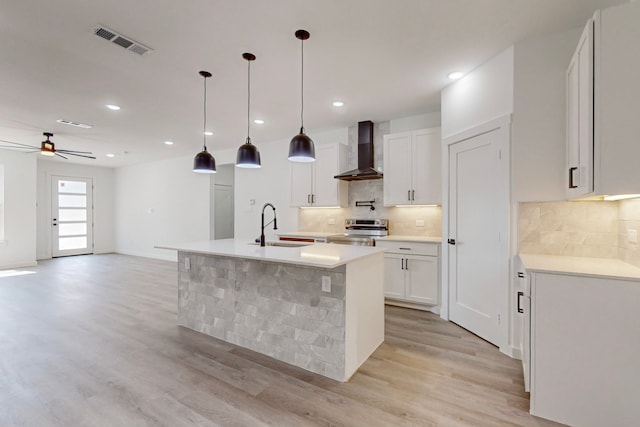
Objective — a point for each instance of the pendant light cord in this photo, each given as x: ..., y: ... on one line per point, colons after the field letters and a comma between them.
x: 204, y: 135
x: 248, y: 100
x: 302, y: 87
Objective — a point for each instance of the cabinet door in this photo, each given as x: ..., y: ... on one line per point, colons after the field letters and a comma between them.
x: 397, y: 169
x: 325, y: 188
x: 301, y: 178
x: 422, y: 279
x: 426, y: 160
x: 394, y: 276
x: 580, y: 117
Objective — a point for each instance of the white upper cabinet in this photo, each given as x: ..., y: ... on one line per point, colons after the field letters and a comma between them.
x: 580, y: 117
x: 412, y: 171
x: 313, y: 184
x: 603, y: 100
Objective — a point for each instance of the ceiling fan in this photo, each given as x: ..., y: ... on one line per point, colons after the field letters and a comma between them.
x: 47, y: 148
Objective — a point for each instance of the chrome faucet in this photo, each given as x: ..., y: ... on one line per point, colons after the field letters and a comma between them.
x: 263, y: 225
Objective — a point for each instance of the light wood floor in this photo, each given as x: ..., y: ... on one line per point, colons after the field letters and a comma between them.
x: 92, y: 341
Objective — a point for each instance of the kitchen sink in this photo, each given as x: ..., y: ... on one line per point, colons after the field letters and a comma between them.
x: 284, y: 244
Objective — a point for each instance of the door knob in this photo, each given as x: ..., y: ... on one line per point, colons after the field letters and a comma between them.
x: 451, y: 241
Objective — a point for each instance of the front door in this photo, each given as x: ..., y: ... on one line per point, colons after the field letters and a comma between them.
x: 478, y: 238
x: 71, y: 216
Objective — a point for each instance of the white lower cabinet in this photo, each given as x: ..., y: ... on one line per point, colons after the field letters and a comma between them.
x: 411, y: 272
x: 585, y: 349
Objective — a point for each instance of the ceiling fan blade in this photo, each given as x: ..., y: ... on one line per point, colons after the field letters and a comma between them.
x: 80, y: 155
x: 74, y: 151
x: 60, y: 155
x: 18, y: 144
x: 25, y: 149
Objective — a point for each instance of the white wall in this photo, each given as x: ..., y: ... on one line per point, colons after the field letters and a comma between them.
x: 420, y: 121
x: 159, y: 203
x: 103, y: 200
x: 484, y: 94
x: 271, y: 183
x: 538, y: 155
x: 19, y: 247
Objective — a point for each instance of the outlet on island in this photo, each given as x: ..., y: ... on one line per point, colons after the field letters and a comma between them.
x: 326, y: 283
x: 419, y: 222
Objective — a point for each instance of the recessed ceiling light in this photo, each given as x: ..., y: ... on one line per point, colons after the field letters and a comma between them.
x: 168, y: 142
x: 338, y: 103
x: 258, y: 121
x: 111, y: 155
x: 208, y: 133
x: 113, y: 107
x: 455, y: 75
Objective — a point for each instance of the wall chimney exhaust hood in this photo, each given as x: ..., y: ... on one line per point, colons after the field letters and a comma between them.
x: 365, y: 156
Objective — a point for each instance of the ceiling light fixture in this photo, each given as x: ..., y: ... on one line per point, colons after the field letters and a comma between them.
x: 111, y: 155
x: 248, y: 155
x: 338, y: 103
x: 301, y: 147
x: 208, y: 133
x: 168, y: 142
x: 455, y: 75
x: 113, y: 107
x: 204, y: 161
x: 258, y: 121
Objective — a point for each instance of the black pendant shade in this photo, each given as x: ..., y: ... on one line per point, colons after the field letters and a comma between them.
x: 248, y: 155
x: 204, y: 161
x: 301, y: 147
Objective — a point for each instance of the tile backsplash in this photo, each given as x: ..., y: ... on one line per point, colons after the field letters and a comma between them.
x: 596, y: 229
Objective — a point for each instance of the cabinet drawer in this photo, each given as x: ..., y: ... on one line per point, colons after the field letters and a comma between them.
x: 410, y: 248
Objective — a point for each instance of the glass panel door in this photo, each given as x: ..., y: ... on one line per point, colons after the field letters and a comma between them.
x: 71, y: 216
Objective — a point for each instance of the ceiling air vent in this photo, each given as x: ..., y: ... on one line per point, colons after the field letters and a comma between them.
x: 121, y: 40
x: 76, y: 124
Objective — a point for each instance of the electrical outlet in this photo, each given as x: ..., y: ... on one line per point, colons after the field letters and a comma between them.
x: 332, y: 221
x: 326, y: 283
x: 419, y: 222
x: 187, y: 264
x: 632, y: 236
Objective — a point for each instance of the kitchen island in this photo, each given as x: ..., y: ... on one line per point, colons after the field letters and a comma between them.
x: 319, y: 307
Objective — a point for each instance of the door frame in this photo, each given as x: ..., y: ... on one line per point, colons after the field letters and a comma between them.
x: 501, y: 124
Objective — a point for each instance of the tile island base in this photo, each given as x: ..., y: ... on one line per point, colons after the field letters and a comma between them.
x: 280, y: 309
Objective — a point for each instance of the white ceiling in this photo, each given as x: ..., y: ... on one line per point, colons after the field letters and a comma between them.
x: 384, y: 58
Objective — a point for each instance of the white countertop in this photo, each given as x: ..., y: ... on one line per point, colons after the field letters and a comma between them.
x: 417, y: 239
x: 313, y: 255
x: 598, y: 267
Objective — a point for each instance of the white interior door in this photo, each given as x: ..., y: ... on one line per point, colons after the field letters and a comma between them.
x: 71, y: 216
x: 478, y: 222
x: 223, y: 212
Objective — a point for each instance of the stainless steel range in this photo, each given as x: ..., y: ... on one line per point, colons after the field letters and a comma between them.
x: 361, y: 232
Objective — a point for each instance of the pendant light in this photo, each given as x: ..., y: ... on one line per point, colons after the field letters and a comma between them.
x: 204, y: 161
x: 248, y: 155
x: 301, y: 147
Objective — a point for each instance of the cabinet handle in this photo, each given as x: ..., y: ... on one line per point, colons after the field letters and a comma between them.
x: 413, y: 194
x: 313, y: 198
x: 520, y: 295
x: 404, y: 249
x: 406, y: 263
x: 521, y: 274
x: 571, y: 184
x: 451, y: 241
x: 409, y: 195
x: 401, y: 263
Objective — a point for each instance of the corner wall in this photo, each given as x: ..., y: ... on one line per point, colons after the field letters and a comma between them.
x: 19, y: 246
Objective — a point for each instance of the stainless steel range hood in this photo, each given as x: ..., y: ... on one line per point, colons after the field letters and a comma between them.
x: 365, y: 156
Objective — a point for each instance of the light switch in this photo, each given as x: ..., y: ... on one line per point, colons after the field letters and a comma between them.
x: 632, y: 236
x: 419, y: 222
x: 332, y: 221
x: 187, y: 264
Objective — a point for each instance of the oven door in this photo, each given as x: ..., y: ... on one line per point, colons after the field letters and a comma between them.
x: 343, y: 239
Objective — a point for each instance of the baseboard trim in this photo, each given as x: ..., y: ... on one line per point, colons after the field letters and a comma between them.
x: 25, y: 264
